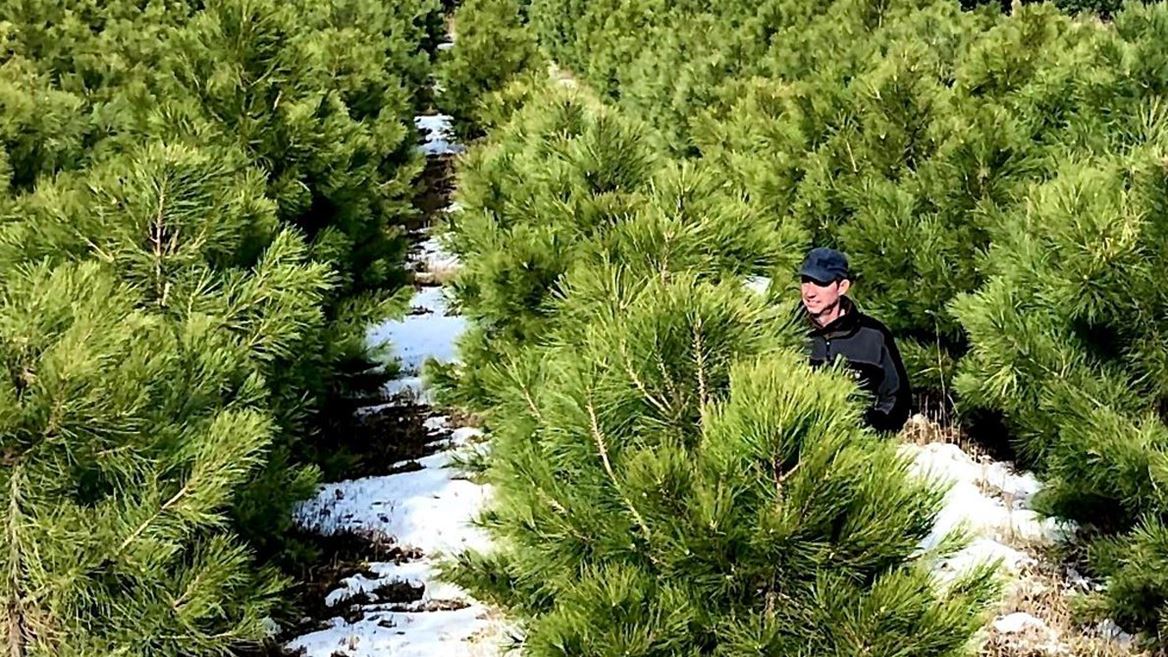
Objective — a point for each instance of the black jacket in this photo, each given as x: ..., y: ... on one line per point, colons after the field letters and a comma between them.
x: 867, y: 348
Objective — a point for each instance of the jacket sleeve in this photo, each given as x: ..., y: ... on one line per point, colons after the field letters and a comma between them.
x: 893, y: 396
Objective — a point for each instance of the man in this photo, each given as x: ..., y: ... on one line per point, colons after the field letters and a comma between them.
x: 838, y: 330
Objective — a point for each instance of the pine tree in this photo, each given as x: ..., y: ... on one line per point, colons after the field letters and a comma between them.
x: 492, y: 47
x: 1067, y: 343
x: 193, y: 231
x: 124, y: 437
x: 199, y: 203
x: 555, y: 187
x: 671, y: 478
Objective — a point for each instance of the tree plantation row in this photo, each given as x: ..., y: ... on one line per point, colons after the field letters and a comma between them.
x: 201, y: 207
x: 670, y: 476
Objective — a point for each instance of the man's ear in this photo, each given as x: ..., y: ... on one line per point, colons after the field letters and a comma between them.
x: 844, y: 286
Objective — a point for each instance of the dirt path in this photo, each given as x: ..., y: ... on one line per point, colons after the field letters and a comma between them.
x: 384, y: 597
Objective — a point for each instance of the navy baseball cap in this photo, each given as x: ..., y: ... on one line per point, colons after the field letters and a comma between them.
x: 825, y: 265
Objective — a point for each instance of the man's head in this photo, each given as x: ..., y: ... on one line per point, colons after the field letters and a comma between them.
x: 825, y: 278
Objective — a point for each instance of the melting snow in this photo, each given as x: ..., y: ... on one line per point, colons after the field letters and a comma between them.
x: 427, y: 634
x: 431, y: 333
x: 430, y: 509
x: 1017, y: 622
x: 439, y: 135
x: 989, y: 500
x: 434, y: 256
x: 416, y: 574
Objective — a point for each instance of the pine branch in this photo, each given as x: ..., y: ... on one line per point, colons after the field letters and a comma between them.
x: 700, y: 358
x: 17, y: 632
x: 156, y: 239
x: 175, y: 499
x: 650, y: 397
x: 602, y: 448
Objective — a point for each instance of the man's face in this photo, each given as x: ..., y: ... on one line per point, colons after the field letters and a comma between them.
x: 822, y: 297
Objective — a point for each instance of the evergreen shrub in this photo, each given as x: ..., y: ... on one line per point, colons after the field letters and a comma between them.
x: 492, y: 47
x: 1068, y: 344
x: 200, y: 212
x: 670, y: 476
x: 900, y: 132
x: 556, y: 186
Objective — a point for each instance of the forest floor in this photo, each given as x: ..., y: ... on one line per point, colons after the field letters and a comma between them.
x: 386, y: 531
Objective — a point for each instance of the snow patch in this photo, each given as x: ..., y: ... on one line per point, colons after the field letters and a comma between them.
x: 1018, y: 622
x: 990, y: 501
x: 758, y: 284
x: 417, y: 338
x: 425, y: 634
x: 433, y: 255
x: 980, y: 551
x: 1112, y: 632
x: 430, y: 509
x: 416, y: 574
x: 439, y: 135
x: 436, y: 424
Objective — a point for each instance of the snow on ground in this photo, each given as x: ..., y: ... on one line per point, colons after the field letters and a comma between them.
x: 992, y: 502
x: 422, y: 634
x: 989, y: 498
x: 428, y: 509
x: 434, y: 257
x: 989, y: 501
x: 439, y: 135
x: 414, y: 574
x: 429, y: 331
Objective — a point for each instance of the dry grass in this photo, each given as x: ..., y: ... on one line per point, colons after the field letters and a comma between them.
x: 1045, y: 592
x: 939, y: 427
x: 436, y: 276
x: 1043, y: 589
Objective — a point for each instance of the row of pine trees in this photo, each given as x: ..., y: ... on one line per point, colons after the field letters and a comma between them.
x: 671, y: 478
x: 201, y: 206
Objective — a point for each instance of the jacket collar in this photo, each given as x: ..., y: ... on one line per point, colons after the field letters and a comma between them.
x: 846, y: 323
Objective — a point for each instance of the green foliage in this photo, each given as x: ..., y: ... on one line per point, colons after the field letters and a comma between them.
x: 318, y: 95
x: 200, y: 208
x: 1068, y: 343
x: 670, y: 477
x: 902, y: 143
x: 994, y: 176
x: 491, y: 48
x: 557, y: 187
x: 125, y: 435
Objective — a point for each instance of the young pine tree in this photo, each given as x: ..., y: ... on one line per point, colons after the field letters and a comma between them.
x: 192, y: 232
x: 557, y: 187
x: 1068, y: 344
x: 492, y: 47
x: 124, y: 437
x: 672, y: 479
